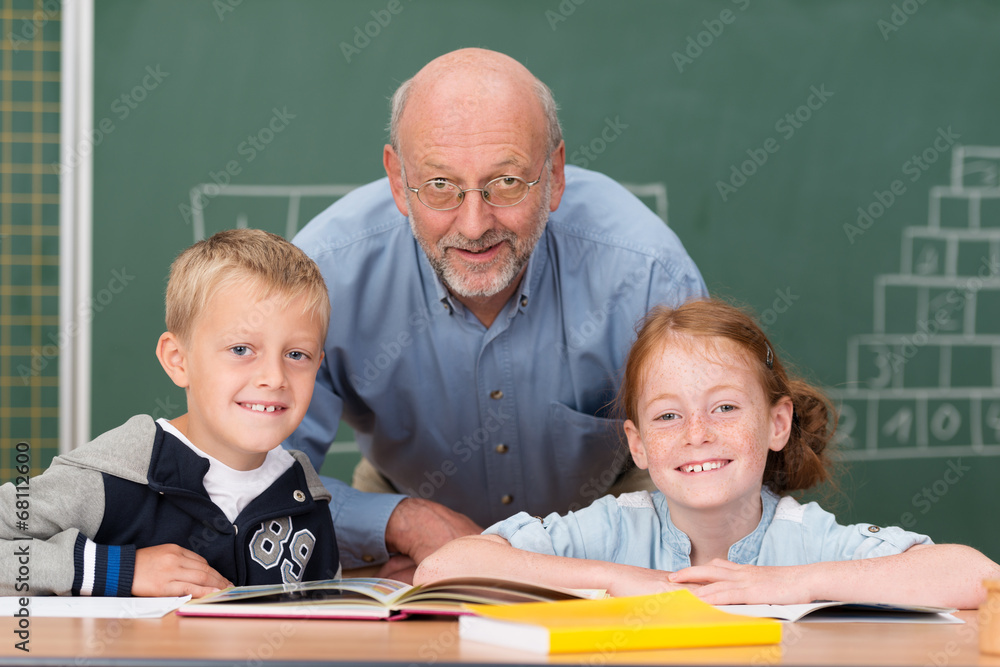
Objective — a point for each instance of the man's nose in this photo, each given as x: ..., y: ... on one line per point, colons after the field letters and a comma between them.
x: 474, y: 217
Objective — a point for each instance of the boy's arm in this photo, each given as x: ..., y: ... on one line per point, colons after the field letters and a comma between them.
x: 46, y: 525
x: 46, y: 528
x: 493, y: 556
x: 947, y: 575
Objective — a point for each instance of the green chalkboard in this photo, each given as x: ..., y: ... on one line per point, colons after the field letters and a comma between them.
x: 832, y: 165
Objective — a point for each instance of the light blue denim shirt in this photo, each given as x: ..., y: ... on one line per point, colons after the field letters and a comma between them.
x: 485, y: 421
x: 635, y: 529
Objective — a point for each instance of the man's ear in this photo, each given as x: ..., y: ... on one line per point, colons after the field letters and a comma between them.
x: 635, y: 445
x: 781, y: 423
x: 558, y: 175
x: 173, y: 358
x: 393, y: 169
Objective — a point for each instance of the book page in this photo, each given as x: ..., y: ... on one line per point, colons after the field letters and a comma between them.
x: 845, y: 612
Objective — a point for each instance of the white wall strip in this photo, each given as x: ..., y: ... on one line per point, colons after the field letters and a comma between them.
x: 75, y: 220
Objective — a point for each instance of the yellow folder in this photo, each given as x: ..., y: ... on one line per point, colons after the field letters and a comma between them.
x: 676, y: 619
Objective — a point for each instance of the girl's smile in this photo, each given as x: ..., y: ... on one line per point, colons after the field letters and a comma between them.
x: 705, y: 428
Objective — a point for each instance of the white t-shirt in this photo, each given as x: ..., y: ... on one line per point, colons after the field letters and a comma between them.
x: 230, y: 489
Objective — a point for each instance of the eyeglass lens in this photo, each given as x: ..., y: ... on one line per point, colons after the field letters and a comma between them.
x: 503, y: 191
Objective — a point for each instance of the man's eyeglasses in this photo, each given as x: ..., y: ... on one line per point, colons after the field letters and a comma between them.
x: 443, y: 195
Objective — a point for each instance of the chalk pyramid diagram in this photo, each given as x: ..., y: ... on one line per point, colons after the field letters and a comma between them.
x: 926, y: 381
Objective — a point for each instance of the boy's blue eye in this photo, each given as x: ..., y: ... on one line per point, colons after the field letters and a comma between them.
x: 296, y: 355
x: 240, y: 350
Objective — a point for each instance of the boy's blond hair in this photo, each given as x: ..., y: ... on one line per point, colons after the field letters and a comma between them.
x: 268, y: 263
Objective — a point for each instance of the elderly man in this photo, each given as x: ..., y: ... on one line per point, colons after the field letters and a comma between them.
x: 484, y: 297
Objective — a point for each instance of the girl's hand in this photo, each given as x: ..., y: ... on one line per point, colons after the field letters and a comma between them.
x: 725, y: 582
x: 641, y: 581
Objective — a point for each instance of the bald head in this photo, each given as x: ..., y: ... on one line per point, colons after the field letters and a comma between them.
x: 460, y: 87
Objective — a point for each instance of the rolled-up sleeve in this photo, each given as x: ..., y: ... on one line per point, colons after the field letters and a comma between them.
x: 804, y: 534
x: 593, y: 532
x: 864, y: 540
x: 525, y: 532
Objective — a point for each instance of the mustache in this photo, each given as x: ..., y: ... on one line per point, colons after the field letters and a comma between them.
x: 489, y: 239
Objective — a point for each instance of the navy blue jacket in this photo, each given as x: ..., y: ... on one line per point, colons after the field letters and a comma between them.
x: 138, y: 486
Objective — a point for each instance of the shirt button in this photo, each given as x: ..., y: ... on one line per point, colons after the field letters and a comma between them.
x: 299, y: 496
x: 873, y: 529
x: 502, y: 449
x: 368, y: 558
x: 524, y: 301
x: 496, y: 394
x: 507, y: 500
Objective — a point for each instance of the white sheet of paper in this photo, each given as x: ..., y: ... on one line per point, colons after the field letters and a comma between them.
x: 87, y: 607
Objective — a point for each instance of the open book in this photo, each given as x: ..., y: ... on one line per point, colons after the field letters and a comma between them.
x: 827, y: 612
x: 373, y: 598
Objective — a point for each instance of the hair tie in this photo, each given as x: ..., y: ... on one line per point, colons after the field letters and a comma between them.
x: 770, y: 356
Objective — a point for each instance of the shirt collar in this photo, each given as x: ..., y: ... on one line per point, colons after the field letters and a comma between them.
x: 533, y: 274
x: 435, y: 292
x: 745, y: 551
x: 672, y: 538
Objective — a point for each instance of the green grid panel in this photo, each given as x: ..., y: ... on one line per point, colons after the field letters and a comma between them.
x: 29, y: 231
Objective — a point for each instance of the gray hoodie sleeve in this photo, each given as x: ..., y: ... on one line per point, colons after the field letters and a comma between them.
x: 37, y: 554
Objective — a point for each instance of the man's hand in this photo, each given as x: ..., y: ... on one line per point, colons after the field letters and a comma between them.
x: 725, y: 582
x: 400, y: 568
x: 417, y: 528
x: 168, y: 570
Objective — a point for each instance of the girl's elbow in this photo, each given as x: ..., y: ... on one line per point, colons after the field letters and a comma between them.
x: 427, y: 570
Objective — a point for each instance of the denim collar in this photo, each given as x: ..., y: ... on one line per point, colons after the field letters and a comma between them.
x: 744, y: 551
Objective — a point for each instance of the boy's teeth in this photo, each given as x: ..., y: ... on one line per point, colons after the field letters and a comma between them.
x: 257, y: 407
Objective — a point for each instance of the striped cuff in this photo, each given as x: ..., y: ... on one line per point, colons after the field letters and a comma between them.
x: 102, y: 570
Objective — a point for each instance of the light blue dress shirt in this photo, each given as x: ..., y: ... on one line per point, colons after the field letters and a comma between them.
x: 635, y: 529
x: 487, y: 421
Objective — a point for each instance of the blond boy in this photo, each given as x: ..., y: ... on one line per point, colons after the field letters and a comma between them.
x: 209, y: 498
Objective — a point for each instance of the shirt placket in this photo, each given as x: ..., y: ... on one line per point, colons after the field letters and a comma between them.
x: 498, y: 433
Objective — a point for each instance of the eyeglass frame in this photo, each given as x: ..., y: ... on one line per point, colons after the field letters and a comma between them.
x: 481, y: 191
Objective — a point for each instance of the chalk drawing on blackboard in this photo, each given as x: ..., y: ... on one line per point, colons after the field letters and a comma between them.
x: 275, y: 208
x: 283, y: 209
x: 926, y: 381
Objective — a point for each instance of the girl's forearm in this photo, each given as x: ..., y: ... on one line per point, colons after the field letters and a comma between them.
x: 491, y: 556
x: 948, y: 575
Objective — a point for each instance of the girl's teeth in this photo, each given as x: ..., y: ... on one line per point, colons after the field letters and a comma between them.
x: 702, y: 467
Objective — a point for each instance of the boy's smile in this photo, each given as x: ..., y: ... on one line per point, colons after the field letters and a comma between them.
x: 248, y: 371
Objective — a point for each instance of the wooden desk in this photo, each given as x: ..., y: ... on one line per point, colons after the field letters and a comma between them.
x: 414, y: 643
